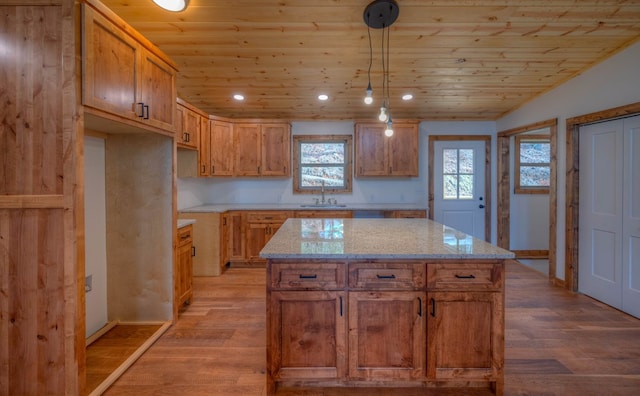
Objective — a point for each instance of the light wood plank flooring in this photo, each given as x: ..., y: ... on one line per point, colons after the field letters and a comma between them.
x: 557, y: 344
x: 108, y: 352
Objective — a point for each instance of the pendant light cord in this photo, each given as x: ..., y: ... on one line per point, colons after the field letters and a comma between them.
x: 384, y: 73
x: 370, y: 53
x: 387, y: 72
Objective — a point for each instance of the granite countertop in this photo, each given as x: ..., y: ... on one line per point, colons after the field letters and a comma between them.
x: 376, y: 239
x: 299, y: 206
x: 185, y: 222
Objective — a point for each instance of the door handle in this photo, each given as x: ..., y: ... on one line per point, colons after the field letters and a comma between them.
x: 481, y: 206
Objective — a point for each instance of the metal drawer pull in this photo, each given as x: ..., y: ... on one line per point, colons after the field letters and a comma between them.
x: 433, y: 307
x: 341, y: 306
x: 420, y: 307
x: 314, y: 276
x: 392, y: 276
x: 466, y: 276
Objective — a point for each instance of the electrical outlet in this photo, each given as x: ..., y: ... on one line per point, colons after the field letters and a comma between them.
x: 88, y: 283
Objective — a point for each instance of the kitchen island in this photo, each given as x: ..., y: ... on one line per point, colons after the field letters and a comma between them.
x: 383, y: 303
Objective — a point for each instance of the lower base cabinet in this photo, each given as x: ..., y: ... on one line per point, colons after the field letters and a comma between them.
x: 184, y: 279
x: 312, y: 343
x: 386, y: 335
x: 372, y: 323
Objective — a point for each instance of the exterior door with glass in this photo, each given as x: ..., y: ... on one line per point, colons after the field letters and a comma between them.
x: 459, y: 185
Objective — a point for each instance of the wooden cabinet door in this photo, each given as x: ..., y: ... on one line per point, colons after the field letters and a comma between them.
x: 157, y: 91
x: 306, y: 335
x: 257, y: 236
x: 246, y: 149
x: 275, y: 150
x: 225, y: 247
x: 236, y: 237
x: 464, y: 335
x: 123, y: 78
x: 260, y: 227
x: 184, y: 288
x: 403, y: 150
x: 371, y: 150
x: 221, y: 148
x: 111, y: 60
x: 204, y: 148
x: 386, y: 335
x: 184, y: 273
x: 187, y: 127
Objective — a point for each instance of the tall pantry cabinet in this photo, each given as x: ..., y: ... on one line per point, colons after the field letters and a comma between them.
x: 41, y: 201
x: 42, y: 225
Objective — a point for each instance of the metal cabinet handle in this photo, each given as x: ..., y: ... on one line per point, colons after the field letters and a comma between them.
x: 193, y: 251
x: 466, y: 276
x: 141, y: 104
x: 314, y: 276
x: 433, y: 307
x: 419, y: 306
x: 340, y: 305
x: 392, y: 276
x: 146, y: 107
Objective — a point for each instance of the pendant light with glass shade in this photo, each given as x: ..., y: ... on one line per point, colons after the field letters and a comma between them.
x: 380, y: 14
x: 172, y: 5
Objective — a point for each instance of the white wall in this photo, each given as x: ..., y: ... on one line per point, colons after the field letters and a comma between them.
x: 95, y: 233
x: 612, y: 83
x: 529, y: 221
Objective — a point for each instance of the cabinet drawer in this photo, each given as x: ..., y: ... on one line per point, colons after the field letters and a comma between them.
x: 485, y: 276
x: 407, y: 276
x: 410, y: 214
x: 310, y: 276
x: 267, y: 217
x: 185, y: 234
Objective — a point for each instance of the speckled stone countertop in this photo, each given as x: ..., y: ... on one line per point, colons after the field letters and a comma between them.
x: 185, y: 222
x: 376, y: 239
x: 298, y: 206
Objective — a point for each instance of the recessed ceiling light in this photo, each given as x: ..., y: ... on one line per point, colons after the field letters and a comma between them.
x: 238, y: 97
x: 323, y: 97
x: 407, y: 97
x: 172, y: 5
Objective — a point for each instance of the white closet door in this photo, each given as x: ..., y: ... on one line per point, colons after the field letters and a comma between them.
x: 609, y: 253
x: 600, y: 222
x: 631, y: 218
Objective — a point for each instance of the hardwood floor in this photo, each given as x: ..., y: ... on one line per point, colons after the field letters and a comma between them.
x: 108, y: 352
x: 557, y: 344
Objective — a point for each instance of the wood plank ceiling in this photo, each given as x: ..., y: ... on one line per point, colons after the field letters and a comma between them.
x: 461, y: 59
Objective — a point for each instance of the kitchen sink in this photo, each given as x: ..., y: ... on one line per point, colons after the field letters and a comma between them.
x: 319, y: 205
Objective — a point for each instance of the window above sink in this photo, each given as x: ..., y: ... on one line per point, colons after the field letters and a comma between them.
x: 322, y: 165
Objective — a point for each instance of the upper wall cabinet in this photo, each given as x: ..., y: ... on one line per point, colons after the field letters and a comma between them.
x: 123, y: 77
x: 262, y: 149
x: 221, y: 148
x: 382, y: 156
x: 188, y: 125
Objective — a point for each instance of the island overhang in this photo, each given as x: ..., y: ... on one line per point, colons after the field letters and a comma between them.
x: 376, y: 239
